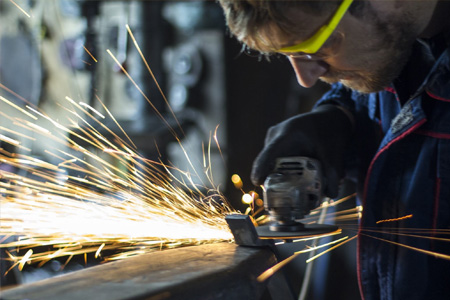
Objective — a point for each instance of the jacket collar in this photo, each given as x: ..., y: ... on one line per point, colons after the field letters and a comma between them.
x: 428, y: 70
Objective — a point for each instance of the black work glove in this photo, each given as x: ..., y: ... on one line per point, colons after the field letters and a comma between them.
x: 322, y: 134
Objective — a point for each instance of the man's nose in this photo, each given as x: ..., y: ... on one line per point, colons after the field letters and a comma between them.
x: 308, y: 71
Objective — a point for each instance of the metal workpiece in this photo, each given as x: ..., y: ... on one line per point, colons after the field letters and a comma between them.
x: 210, y: 271
x: 244, y: 231
x: 245, y: 234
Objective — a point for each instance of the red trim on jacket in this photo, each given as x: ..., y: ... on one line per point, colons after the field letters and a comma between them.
x: 437, y: 97
x: 390, y: 89
x: 437, y: 186
x: 438, y: 135
x: 401, y: 136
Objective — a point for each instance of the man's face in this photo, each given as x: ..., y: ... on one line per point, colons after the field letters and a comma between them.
x: 365, y: 54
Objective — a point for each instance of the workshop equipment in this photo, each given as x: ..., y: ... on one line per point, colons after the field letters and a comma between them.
x: 290, y: 192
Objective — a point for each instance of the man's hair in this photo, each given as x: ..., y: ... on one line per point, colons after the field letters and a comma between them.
x: 252, y: 20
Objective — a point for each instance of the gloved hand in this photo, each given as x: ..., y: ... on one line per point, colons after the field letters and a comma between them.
x: 322, y: 134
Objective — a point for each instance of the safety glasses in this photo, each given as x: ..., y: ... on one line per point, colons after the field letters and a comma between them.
x: 314, y: 43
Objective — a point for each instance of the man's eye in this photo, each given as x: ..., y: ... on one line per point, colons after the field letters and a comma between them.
x: 304, y: 56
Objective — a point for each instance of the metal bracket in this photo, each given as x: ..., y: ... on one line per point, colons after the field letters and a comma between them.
x: 245, y: 234
x: 244, y: 231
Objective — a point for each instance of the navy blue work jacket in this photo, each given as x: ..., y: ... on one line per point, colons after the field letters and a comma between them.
x: 400, y: 158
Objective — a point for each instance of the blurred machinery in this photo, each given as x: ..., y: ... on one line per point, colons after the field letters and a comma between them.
x: 213, y: 88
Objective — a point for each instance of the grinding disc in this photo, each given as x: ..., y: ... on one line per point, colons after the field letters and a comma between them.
x: 310, y: 230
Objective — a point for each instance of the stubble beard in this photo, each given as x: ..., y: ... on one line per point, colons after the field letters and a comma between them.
x: 377, y: 72
x: 377, y: 78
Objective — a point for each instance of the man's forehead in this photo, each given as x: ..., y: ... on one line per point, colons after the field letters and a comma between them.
x: 302, y: 25
x: 305, y: 22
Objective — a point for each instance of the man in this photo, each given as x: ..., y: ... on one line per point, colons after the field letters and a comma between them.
x: 385, y: 123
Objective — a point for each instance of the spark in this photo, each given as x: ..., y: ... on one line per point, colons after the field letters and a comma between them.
x: 253, y: 200
x: 237, y: 181
x: 13, y: 93
x: 141, y: 92
x: 247, y: 198
x: 138, y: 48
x: 208, y: 170
x: 17, y: 107
x: 92, y: 109
x: 432, y: 253
x: 420, y: 235
x: 130, y: 207
x: 36, y: 127
x: 315, y: 237
x: 217, y: 143
x: 25, y: 259
x: 395, y: 219
x: 346, y: 198
x: 342, y: 215
x: 90, y: 54
x: 316, y: 218
x: 16, y: 133
x: 331, y: 248
x: 262, y: 219
x: 269, y: 272
x: 9, y: 140
x: 97, y: 253
x: 20, y: 8
x: 115, y: 121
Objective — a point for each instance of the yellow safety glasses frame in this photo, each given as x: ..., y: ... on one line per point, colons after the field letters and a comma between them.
x: 314, y: 43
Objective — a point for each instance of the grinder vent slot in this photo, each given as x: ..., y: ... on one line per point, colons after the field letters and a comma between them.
x: 288, y: 166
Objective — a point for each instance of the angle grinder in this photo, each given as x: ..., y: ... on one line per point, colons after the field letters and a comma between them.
x: 291, y: 191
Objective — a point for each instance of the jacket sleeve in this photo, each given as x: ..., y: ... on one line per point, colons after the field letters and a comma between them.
x: 367, y: 131
x: 338, y: 95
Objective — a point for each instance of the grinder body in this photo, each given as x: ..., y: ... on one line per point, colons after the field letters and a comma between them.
x: 292, y: 191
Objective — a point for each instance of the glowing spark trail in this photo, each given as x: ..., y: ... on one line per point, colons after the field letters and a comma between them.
x: 268, y: 273
x: 435, y: 254
x: 395, y: 219
x: 90, y: 54
x: 20, y: 8
x: 17, y: 107
x: 422, y: 234
x: 128, y: 207
x: 24, y: 259
x: 332, y: 248
x: 138, y: 48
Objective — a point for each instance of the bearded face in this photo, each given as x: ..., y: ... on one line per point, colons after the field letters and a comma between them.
x: 370, y: 52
